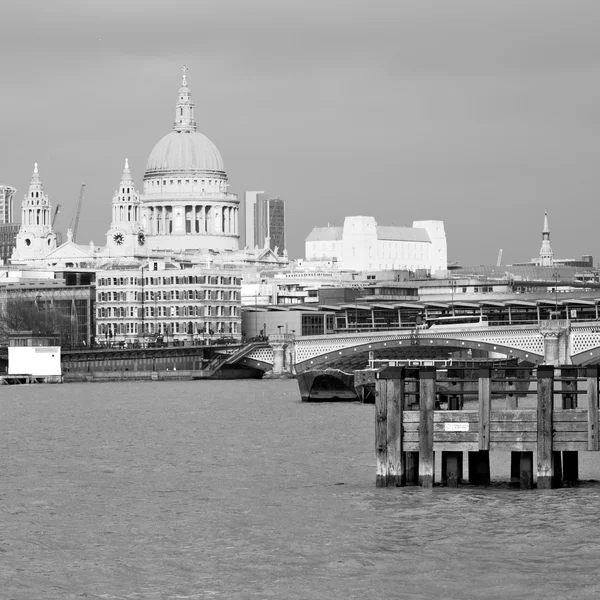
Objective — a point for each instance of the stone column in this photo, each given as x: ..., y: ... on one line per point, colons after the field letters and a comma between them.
x: 278, y: 358
x: 556, y: 342
x: 283, y: 356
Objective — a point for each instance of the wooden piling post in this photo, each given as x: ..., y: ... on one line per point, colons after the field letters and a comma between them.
x: 485, y: 405
x: 592, y: 401
x: 381, y: 432
x: 394, y: 377
x: 426, y: 409
x: 545, y: 405
x: 388, y: 427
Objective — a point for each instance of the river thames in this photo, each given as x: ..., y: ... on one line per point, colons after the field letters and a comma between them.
x: 235, y: 489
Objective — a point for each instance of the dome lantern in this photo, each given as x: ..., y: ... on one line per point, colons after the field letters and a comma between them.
x: 184, y: 109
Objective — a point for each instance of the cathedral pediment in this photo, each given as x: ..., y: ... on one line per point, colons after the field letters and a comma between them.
x: 70, y: 251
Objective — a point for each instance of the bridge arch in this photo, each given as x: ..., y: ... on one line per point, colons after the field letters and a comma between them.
x: 424, y: 342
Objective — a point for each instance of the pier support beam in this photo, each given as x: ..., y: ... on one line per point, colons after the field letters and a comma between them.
x: 426, y: 406
x: 389, y: 396
x: 592, y: 397
x: 545, y: 402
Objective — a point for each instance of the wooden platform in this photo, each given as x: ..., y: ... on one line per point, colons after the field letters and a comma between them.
x: 411, y: 426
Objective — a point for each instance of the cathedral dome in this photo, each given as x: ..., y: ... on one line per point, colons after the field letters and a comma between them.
x: 184, y: 152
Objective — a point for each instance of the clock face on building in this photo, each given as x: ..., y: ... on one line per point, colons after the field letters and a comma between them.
x: 141, y: 239
x: 118, y: 238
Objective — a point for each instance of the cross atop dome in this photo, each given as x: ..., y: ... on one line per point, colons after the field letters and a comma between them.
x: 183, y: 76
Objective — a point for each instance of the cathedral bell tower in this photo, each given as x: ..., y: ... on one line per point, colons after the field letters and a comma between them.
x: 35, y: 238
x: 125, y: 236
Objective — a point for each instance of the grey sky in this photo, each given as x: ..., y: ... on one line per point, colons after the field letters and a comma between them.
x: 480, y: 113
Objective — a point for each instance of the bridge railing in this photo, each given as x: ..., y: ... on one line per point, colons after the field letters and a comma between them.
x: 408, y: 327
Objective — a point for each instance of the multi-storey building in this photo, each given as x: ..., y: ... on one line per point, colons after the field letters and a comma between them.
x: 167, y: 301
x: 251, y: 201
x: 45, y: 302
x: 6, y: 203
x: 362, y: 245
x: 265, y: 222
x: 8, y: 229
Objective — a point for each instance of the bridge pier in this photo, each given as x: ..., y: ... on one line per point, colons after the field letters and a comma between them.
x: 283, y: 356
x: 556, y: 342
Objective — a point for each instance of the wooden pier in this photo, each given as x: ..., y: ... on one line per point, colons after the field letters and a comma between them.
x: 29, y: 379
x: 550, y: 415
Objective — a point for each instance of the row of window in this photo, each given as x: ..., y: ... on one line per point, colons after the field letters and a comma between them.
x: 169, y: 311
x: 109, y: 330
x: 181, y: 280
x: 154, y: 182
x: 225, y: 295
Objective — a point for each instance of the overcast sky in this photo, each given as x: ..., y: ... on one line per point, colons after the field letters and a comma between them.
x: 480, y: 113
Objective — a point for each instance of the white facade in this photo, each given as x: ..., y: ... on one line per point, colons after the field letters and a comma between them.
x: 362, y: 245
x: 158, y: 298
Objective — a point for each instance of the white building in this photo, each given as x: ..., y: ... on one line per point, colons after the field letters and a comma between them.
x: 361, y: 245
x: 159, y: 298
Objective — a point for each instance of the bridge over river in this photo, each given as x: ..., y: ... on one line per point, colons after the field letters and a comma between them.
x: 547, y: 342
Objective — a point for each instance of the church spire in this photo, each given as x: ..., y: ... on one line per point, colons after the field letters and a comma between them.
x: 546, y: 254
x: 184, y: 109
x: 546, y: 230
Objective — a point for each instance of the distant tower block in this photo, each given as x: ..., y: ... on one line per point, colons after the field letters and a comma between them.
x: 546, y: 254
x: 6, y: 203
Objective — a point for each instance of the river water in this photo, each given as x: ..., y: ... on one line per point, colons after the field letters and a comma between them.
x: 191, y: 490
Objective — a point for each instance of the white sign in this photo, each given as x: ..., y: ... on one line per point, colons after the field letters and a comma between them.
x: 456, y: 427
x: 34, y: 360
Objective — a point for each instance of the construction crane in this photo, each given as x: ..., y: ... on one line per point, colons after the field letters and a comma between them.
x: 56, y: 211
x: 74, y: 225
x: 499, y: 261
